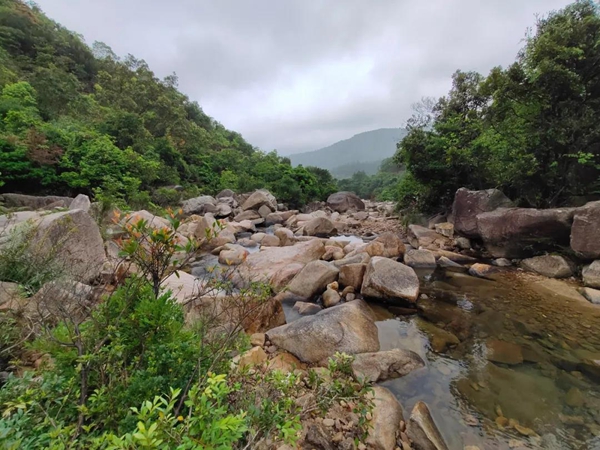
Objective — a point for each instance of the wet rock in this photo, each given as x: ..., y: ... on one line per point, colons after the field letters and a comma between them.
x: 468, y: 204
x: 419, y: 236
x: 393, y: 246
x: 313, y: 278
x: 259, y: 198
x: 283, y: 277
x: 482, y: 270
x: 199, y: 205
x: 331, y: 298
x: 439, y: 339
x: 380, y: 366
x: 420, y: 258
x: 585, y: 232
x: 306, y: 308
x: 422, y: 430
x: 345, y: 201
x: 82, y: 202
x: 593, y: 295
x: 519, y: 232
x: 352, y: 275
x: 591, y: 274
x: 388, y: 279
x: 504, y: 352
x: 319, y: 227
x: 445, y: 229
x: 551, y: 266
x: 557, y: 289
x: 348, y: 328
x: 446, y: 263
x: 453, y: 318
x: 385, y: 421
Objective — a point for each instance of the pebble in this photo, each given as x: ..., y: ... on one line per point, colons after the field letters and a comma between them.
x: 328, y: 422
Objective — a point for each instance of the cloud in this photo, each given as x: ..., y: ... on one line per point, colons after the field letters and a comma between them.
x: 297, y: 75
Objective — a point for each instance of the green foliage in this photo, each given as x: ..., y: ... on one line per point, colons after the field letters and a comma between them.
x: 530, y: 129
x: 380, y: 186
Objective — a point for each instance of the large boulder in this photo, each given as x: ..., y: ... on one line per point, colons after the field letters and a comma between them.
x: 420, y: 236
x: 585, y: 232
x: 388, y: 279
x: 313, y: 279
x: 520, y: 232
x: 468, y: 204
x: 199, y: 205
x: 320, y: 226
x: 352, y: 275
x: 258, y: 199
x: 347, y: 328
x: 385, y: 421
x: 33, y: 202
x: 345, y: 201
x: 380, y: 366
x: 551, y: 266
x: 420, y: 258
x: 422, y: 430
x: 591, y: 274
x: 82, y: 202
x: 393, y: 246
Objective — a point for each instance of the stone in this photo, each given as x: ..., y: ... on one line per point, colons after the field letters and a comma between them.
x: 422, y: 430
x: 259, y: 198
x: 388, y: 279
x: 333, y: 253
x: 282, y: 278
x: 556, y: 289
x: 521, y: 232
x: 385, y: 420
x: 462, y: 242
x: 286, y: 236
x: 313, y: 278
x: 257, y: 339
x: 82, y: 202
x: 356, y: 258
x: 393, y: 247
x: 58, y: 300
x: 593, y: 295
x: 502, y: 262
x: 247, y: 215
x: 361, y: 215
x: 445, y: 229
x: 574, y: 398
x: 419, y: 236
x: 468, y: 204
x: 380, y: 366
x: 32, y: 201
x: 256, y: 356
x: 233, y: 255
x: 306, y: 308
x: 352, y: 275
x: 270, y: 240
x: 420, y: 259
x: 285, y: 362
x: 345, y: 201
x: 226, y: 193
x: 551, y: 266
x: 446, y: 263
x: 318, y: 438
x: 591, y: 274
x: 504, y: 352
x: 319, y: 226
x: 223, y: 210
x: 198, y: 205
x: 10, y: 294
x: 585, y: 232
x: 482, y: 270
x: 439, y: 339
x: 331, y: 298
x: 456, y: 257
x: 274, y: 218
x: 347, y: 328
x: 375, y: 249
x: 264, y: 211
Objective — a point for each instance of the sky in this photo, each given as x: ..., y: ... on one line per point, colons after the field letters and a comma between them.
x: 298, y: 75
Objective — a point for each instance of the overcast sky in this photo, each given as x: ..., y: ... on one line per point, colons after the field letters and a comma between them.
x: 297, y: 75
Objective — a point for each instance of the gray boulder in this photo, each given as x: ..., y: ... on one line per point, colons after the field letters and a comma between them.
x: 385, y: 421
x: 247, y: 215
x: 226, y: 193
x: 468, y: 204
x: 392, y: 244
x: 585, y: 232
x: 313, y: 279
x: 380, y: 366
x: 319, y: 227
x: 419, y: 236
x: 199, y: 205
x: 259, y: 198
x: 591, y: 274
x: 420, y: 258
x: 82, y: 202
x: 422, y: 430
x: 551, y: 266
x: 347, y: 328
x: 34, y: 202
x: 388, y: 279
x: 345, y: 201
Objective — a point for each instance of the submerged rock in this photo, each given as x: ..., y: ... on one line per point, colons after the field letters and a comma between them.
x: 385, y: 422
x: 468, y: 204
x: 422, y: 430
x: 388, y: 279
x: 504, y: 352
x: 347, y: 328
x: 482, y: 270
x: 551, y: 266
x: 380, y: 366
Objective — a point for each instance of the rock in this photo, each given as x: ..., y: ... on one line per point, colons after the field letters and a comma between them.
x: 257, y: 339
x: 468, y: 204
x: 223, y: 210
x: 375, y: 249
x: 357, y: 258
x: 285, y: 362
x: 318, y: 438
x: 313, y: 278
x: 233, y: 255
x: 10, y: 294
x: 384, y: 365
x: 270, y: 240
x: 456, y: 257
x: 388, y: 279
x: 419, y: 258
x: 439, y: 339
x: 585, y: 232
x: 263, y: 265
x: 352, y: 275
x: 347, y: 328
x: 286, y: 236
x: 282, y: 278
x: 253, y: 357
x: 422, y: 431
x: 198, y: 205
x: 419, y: 236
x: 445, y: 229
x: 482, y: 270
x: 331, y: 298
x: 226, y: 193
x: 247, y: 215
x: 385, y: 420
x: 274, y: 218
x: 557, y: 289
x: 519, y: 232
x: 591, y: 274
x: 58, y: 300
x: 82, y: 202
x: 504, y: 352
x: 592, y: 295
x: 259, y: 198
x: 446, y: 263
x: 332, y: 253
x: 462, y: 242
x: 264, y: 211
x: 393, y: 246
x: 306, y: 308
x: 345, y: 201
x: 361, y: 215
x: 33, y: 202
x: 551, y: 266
x: 319, y: 227
x: 502, y: 262
x: 574, y: 398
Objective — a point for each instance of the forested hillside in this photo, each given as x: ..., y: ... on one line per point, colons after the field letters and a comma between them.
x: 532, y: 129
x: 78, y: 119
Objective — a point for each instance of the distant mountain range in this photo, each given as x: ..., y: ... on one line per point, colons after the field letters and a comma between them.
x: 364, y: 151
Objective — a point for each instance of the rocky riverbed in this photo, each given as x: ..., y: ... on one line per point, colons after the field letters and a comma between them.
x: 481, y: 351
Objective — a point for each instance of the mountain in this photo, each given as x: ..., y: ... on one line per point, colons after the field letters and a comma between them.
x: 363, y: 151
